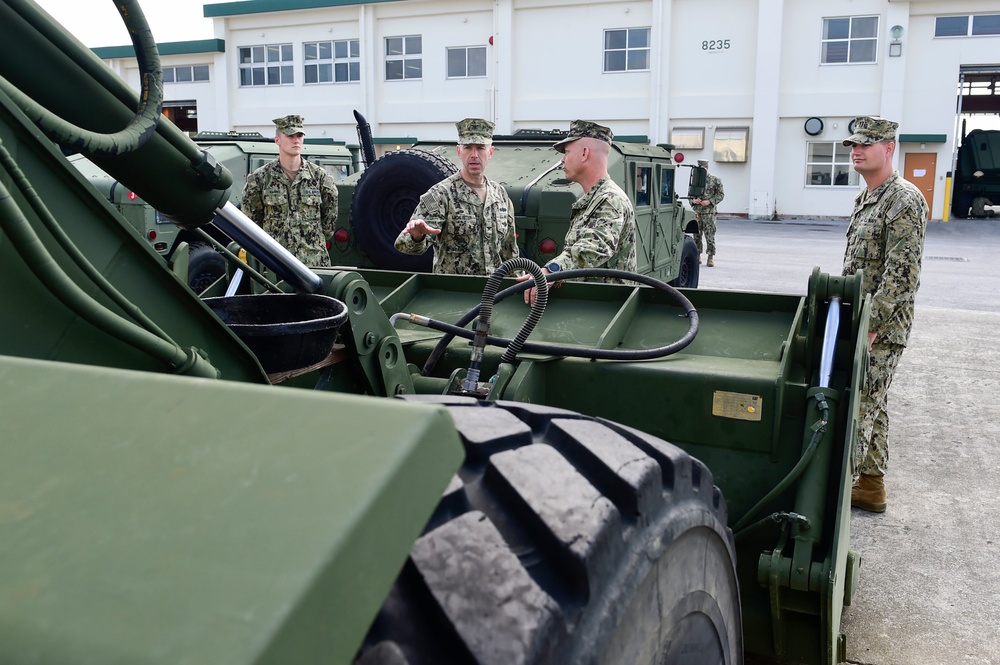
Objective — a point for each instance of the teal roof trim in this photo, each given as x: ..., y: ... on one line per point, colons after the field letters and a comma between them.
x: 923, y: 138
x: 390, y: 140
x: 167, y: 48
x: 244, y: 7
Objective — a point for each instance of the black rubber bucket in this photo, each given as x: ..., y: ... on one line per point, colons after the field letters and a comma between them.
x: 286, y: 331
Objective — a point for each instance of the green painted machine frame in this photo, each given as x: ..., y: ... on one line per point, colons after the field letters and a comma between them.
x: 168, y: 500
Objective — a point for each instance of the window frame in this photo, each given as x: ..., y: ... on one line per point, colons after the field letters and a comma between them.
x: 628, y: 50
x: 849, y: 41
x: 172, y: 78
x: 405, y: 57
x: 447, y: 58
x: 853, y: 178
x: 741, y: 149
x: 333, y: 63
x: 691, y: 133
x: 264, y: 66
x: 970, y: 25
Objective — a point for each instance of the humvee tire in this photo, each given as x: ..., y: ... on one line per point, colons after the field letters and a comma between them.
x: 205, y: 266
x: 688, y: 272
x: 386, y: 195
x: 563, y: 540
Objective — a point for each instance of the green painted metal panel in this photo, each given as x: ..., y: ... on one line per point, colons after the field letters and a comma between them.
x: 267, y: 529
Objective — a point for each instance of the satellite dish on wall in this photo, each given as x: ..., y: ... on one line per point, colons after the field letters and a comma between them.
x: 814, y: 126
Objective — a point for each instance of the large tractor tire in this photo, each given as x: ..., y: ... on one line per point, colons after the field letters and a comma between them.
x: 565, y: 540
x: 688, y: 274
x: 386, y: 195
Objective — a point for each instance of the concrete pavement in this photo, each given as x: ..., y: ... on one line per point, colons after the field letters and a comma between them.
x: 930, y: 565
x: 929, y: 590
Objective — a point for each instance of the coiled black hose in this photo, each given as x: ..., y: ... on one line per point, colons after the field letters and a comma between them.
x: 458, y: 329
x: 486, y: 313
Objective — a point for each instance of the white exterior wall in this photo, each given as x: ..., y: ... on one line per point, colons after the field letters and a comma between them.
x: 205, y: 94
x: 545, y: 69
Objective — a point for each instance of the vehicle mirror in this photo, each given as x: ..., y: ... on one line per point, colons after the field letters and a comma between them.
x: 696, y: 184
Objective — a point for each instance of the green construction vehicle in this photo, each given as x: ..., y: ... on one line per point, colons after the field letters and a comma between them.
x: 376, y: 203
x: 351, y: 465
x: 240, y: 153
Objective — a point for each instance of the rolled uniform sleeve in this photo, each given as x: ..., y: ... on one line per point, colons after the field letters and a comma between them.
x: 433, y: 209
x: 252, y: 201
x: 328, y: 217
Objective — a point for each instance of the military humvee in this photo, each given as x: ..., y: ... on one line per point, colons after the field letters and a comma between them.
x: 376, y: 203
x: 241, y: 153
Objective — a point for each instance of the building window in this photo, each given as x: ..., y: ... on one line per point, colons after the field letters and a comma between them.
x: 402, y: 58
x: 731, y: 144
x: 828, y: 164
x: 332, y: 62
x: 689, y: 138
x: 951, y: 26
x: 850, y: 40
x: 626, y: 50
x: 185, y: 74
x: 466, y: 62
x: 960, y: 26
x: 266, y: 65
x: 986, y: 24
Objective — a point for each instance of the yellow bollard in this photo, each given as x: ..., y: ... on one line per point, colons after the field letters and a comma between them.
x: 947, y: 198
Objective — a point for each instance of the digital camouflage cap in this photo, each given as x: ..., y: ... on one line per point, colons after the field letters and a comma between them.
x: 475, y: 131
x: 289, y: 125
x: 703, y: 163
x: 579, y: 129
x: 868, y: 130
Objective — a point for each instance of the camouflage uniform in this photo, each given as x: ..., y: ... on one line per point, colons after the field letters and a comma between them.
x: 885, y: 239
x: 300, y: 214
x: 602, y: 224
x: 601, y: 232
x: 707, y: 214
x: 476, y: 236
x: 979, y: 207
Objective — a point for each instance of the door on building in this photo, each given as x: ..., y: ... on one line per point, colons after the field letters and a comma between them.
x: 918, y: 168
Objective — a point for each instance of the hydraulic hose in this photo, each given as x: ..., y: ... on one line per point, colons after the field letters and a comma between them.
x: 819, y: 429
x: 555, y: 349
x: 31, y: 249
x: 74, y: 253
x: 486, y: 314
x: 139, y: 129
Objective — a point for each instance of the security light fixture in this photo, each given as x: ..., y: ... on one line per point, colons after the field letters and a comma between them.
x: 896, y: 46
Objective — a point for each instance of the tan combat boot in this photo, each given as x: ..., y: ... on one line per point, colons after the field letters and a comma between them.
x: 711, y: 261
x: 699, y: 259
x: 868, y: 493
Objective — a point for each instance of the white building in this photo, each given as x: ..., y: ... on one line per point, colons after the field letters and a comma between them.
x: 763, y: 89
